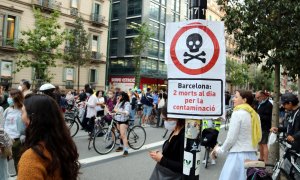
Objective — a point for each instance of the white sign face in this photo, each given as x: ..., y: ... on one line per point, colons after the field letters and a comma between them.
x: 69, y: 74
x: 6, y: 69
x: 195, y: 57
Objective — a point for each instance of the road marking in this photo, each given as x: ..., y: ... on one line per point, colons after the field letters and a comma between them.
x: 94, y: 159
x: 98, y: 158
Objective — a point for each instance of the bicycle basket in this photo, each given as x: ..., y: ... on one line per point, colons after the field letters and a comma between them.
x: 209, y: 137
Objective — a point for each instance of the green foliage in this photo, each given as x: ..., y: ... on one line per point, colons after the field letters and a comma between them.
x: 266, y: 31
x: 139, y: 45
x: 236, y: 73
x: 78, y: 50
x: 38, y: 47
x: 260, y: 79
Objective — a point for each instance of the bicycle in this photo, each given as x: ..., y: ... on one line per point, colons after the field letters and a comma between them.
x: 228, y: 117
x: 105, y: 139
x: 72, y: 120
x: 287, y: 166
x: 98, y: 127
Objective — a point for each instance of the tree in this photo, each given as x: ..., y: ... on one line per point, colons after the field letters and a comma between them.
x: 38, y: 47
x: 266, y: 32
x: 78, y: 51
x: 236, y: 73
x: 139, y: 45
x: 261, y: 80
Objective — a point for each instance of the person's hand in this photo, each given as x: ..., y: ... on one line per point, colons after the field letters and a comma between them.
x: 156, y: 155
x: 290, y: 138
x: 274, y: 129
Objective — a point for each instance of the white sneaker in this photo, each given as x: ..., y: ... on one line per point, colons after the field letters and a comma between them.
x: 213, y: 162
x: 204, y: 161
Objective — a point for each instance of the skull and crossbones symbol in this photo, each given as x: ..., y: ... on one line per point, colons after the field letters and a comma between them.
x: 194, y: 42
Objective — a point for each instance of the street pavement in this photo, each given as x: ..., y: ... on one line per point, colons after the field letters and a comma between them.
x: 138, y: 165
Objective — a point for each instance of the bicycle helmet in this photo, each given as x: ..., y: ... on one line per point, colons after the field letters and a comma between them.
x: 289, y: 97
x: 46, y: 87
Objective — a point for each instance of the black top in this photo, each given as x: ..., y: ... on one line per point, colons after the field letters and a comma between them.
x: 265, y: 113
x: 293, y: 128
x: 173, y: 152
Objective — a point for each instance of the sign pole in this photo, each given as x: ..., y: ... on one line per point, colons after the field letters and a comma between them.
x: 192, y: 159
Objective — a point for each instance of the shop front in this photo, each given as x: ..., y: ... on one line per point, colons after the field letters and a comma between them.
x: 127, y: 82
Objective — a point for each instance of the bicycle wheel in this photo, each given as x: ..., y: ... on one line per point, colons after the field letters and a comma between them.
x: 136, y: 137
x: 73, y: 126
x: 104, y: 141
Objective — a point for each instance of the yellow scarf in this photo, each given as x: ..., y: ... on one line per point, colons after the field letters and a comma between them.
x: 255, y: 123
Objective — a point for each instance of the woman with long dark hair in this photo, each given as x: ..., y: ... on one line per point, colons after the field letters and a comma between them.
x: 50, y: 152
x: 169, y: 160
x: 122, y: 110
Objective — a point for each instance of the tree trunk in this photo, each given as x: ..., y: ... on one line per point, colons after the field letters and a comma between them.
x: 78, y: 75
x: 274, y: 149
x: 298, y: 86
x: 137, y: 71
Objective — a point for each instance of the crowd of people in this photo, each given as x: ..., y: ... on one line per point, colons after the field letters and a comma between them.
x: 35, y: 136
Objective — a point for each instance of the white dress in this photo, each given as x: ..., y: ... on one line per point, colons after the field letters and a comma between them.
x: 239, y: 145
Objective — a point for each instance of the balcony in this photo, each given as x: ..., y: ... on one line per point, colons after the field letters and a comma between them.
x: 47, y: 5
x: 8, y: 44
x: 97, y: 57
x: 97, y: 19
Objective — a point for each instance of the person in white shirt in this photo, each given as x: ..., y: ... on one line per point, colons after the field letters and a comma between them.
x: 91, y: 112
x: 13, y: 124
x: 101, y: 103
x: 242, y: 139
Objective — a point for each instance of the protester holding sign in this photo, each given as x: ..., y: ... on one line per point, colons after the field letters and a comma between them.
x: 170, y: 160
x: 242, y: 139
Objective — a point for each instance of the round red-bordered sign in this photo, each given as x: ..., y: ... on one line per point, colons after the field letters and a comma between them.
x: 212, y: 61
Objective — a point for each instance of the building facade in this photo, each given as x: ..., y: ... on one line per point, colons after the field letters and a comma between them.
x: 17, y: 16
x: 155, y: 13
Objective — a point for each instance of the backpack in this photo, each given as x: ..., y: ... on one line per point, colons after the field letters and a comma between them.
x: 209, y: 137
x: 147, y: 99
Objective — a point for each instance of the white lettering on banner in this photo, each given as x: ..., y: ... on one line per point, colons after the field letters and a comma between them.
x: 198, y: 97
x: 123, y: 80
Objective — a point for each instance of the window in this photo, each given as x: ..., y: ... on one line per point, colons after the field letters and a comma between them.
x: 74, y: 4
x: 69, y: 74
x: 115, y: 10
x: 130, y: 31
x: 163, y: 15
x: 161, y: 51
x: 8, y: 29
x: 6, y: 68
x: 129, y: 45
x: 93, y: 75
x: 113, y: 47
x: 154, y: 27
x: 114, y: 29
x: 176, y: 17
x: 97, y: 8
x: 162, y: 33
x: 153, y: 49
x: 95, y: 47
x: 134, y: 7
x: 154, y: 11
x: 177, y: 6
